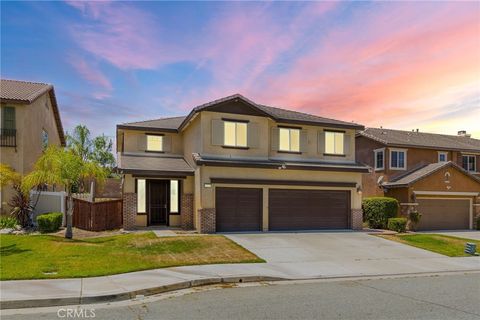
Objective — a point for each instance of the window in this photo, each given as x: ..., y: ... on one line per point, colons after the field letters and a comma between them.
x: 235, y: 134
x: 379, y: 159
x: 442, y: 156
x: 154, y: 143
x: 398, y: 159
x: 334, y: 142
x: 44, y: 139
x: 468, y: 163
x: 8, y: 118
x: 289, y: 140
x: 173, y: 196
x: 141, y: 196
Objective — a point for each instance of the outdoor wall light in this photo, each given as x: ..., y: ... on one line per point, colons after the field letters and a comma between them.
x: 359, y: 189
x: 207, y: 185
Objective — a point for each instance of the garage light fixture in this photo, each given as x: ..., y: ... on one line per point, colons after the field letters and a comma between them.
x: 359, y: 189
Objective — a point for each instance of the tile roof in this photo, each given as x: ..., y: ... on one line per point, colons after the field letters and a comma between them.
x: 17, y: 91
x: 22, y: 90
x: 153, y: 163
x: 418, y: 174
x: 421, y: 139
x: 278, y: 114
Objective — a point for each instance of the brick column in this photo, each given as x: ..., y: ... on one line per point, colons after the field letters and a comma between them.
x: 129, y: 210
x: 357, y: 219
x: 186, y: 211
x: 207, y: 220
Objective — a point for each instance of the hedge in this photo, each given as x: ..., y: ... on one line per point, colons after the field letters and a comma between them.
x: 49, y: 222
x: 397, y: 224
x: 377, y: 211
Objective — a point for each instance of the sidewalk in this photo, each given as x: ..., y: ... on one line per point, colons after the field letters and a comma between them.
x: 38, y: 293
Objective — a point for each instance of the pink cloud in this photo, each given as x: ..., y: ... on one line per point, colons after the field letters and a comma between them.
x: 93, y: 75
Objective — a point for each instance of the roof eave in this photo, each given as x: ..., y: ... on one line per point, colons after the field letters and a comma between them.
x: 145, y: 128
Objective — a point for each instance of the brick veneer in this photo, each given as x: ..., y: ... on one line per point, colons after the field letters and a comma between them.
x: 207, y: 220
x: 357, y: 219
x: 129, y: 210
x: 186, y: 213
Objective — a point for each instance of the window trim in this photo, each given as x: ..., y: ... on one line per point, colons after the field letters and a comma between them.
x: 442, y: 153
x: 290, y: 129
x: 154, y: 135
x: 382, y: 150
x: 236, y: 122
x: 474, y: 162
x: 325, y: 131
x: 404, y: 160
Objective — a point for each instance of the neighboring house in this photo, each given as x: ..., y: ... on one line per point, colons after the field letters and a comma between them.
x: 436, y: 174
x: 235, y: 165
x: 30, y: 120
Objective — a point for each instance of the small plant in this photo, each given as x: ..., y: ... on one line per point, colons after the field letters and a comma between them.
x: 377, y: 211
x: 22, y: 208
x: 7, y: 222
x: 414, y: 217
x: 49, y: 222
x: 397, y: 224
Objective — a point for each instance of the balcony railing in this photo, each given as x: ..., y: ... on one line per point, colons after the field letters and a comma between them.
x: 8, y: 137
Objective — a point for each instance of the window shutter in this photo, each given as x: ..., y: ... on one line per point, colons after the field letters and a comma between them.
x: 142, y: 142
x: 252, y: 135
x: 275, y: 133
x: 167, y: 143
x: 217, y: 132
x: 346, y: 143
x: 303, y: 141
x: 321, y: 141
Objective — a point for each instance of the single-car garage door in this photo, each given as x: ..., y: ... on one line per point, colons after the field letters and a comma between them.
x: 446, y: 214
x: 308, y: 209
x: 238, y: 209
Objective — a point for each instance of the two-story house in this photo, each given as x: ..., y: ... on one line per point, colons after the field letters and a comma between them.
x: 436, y: 174
x: 235, y: 165
x: 30, y: 120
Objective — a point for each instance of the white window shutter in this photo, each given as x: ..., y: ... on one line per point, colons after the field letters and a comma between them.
x: 217, y: 132
x: 167, y: 144
x: 346, y: 143
x: 142, y: 142
x: 274, y: 138
x: 303, y: 141
x: 252, y: 135
x: 321, y: 141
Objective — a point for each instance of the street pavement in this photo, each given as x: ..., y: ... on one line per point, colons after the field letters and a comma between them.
x: 420, y: 297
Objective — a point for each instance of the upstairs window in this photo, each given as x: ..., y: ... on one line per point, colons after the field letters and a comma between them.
x: 468, y: 163
x: 44, y: 139
x: 379, y: 159
x: 442, y: 157
x: 235, y: 134
x: 8, y: 118
x: 334, y: 142
x: 398, y: 159
x: 154, y: 143
x: 289, y: 140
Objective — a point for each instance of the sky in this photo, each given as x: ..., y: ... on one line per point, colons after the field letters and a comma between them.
x: 400, y: 65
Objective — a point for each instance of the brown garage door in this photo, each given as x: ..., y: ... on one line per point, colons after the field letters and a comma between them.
x: 238, y: 209
x: 438, y: 214
x: 308, y: 209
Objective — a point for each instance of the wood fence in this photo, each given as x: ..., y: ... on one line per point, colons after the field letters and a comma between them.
x: 97, y: 216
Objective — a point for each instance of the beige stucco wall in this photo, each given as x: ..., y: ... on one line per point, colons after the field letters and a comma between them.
x: 30, y: 120
x: 131, y: 137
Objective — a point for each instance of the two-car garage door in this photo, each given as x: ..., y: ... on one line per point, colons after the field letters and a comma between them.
x: 240, y: 209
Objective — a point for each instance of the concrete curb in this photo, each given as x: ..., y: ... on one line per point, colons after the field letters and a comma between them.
x: 52, y: 302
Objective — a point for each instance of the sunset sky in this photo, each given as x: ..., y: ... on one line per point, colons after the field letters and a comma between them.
x: 401, y: 65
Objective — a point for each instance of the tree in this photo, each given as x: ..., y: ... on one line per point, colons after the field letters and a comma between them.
x: 8, y: 175
x: 102, y: 152
x: 79, y: 142
x: 63, y: 167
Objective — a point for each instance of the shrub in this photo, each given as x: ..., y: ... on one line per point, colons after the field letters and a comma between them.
x: 377, y: 211
x: 50, y: 222
x: 414, y: 217
x: 7, y: 222
x: 397, y: 224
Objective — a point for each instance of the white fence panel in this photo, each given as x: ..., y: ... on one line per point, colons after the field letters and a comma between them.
x: 48, y: 201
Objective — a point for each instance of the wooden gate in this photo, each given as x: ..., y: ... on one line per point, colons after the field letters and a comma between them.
x: 97, y: 216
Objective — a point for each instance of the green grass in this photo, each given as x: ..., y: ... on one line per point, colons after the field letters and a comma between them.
x: 48, y: 257
x: 446, y: 245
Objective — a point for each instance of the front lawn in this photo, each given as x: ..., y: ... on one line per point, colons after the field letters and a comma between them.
x: 47, y: 257
x: 446, y: 245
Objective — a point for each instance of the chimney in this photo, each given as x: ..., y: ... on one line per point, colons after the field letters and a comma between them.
x: 463, y: 133
x: 417, y: 129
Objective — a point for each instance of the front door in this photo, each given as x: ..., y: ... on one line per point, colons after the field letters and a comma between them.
x: 158, y: 201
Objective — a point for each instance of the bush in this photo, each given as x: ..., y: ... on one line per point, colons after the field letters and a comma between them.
x: 377, y: 211
x: 50, y: 222
x: 7, y: 222
x: 414, y: 217
x: 397, y: 224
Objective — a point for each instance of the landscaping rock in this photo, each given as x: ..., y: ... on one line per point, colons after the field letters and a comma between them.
x: 6, y: 231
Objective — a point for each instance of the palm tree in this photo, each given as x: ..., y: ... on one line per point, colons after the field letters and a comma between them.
x: 8, y: 175
x: 62, y: 167
x: 79, y: 142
